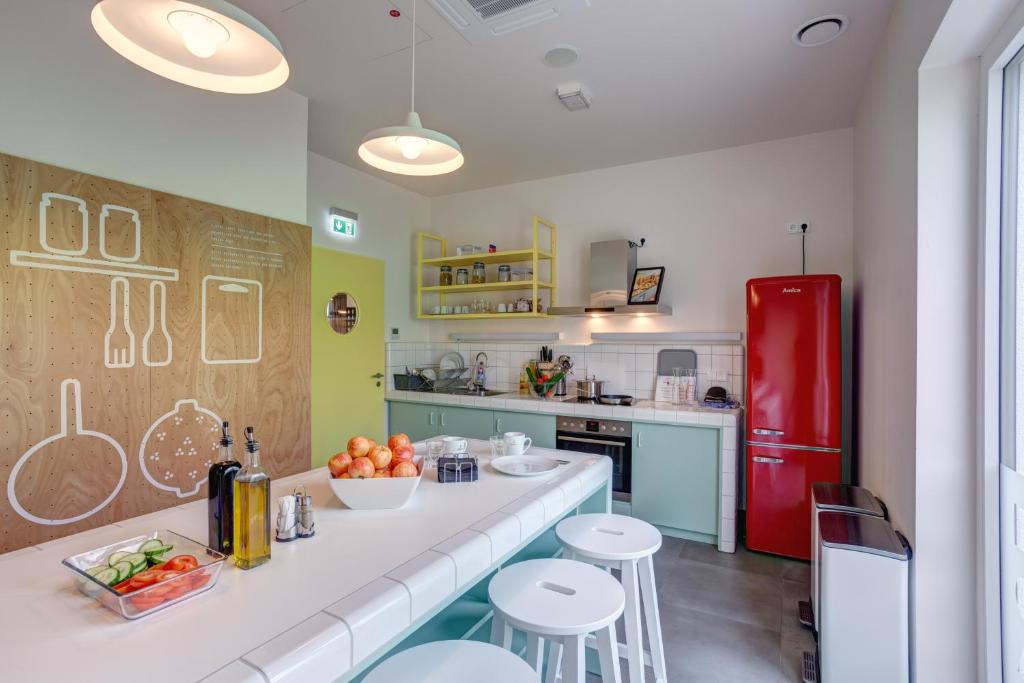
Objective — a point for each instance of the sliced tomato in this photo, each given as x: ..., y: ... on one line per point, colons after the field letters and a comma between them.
x: 181, y: 563
x: 145, y: 602
x: 200, y: 579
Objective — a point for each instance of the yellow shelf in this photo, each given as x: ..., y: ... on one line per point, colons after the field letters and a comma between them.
x: 486, y: 287
x: 514, y: 256
x: 481, y: 316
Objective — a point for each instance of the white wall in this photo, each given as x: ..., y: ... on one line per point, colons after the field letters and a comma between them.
x: 389, y: 218
x: 713, y: 219
x: 71, y: 101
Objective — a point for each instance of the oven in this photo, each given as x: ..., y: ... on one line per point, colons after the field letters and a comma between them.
x: 611, y: 438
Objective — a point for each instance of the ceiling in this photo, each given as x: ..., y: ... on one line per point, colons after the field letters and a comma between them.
x: 668, y: 77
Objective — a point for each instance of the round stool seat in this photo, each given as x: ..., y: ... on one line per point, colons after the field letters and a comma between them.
x: 453, y: 660
x: 609, y: 537
x: 557, y: 597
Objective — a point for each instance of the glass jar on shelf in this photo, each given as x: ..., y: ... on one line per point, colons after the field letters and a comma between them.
x: 504, y: 273
x: 517, y: 275
x: 446, y: 276
x: 462, y: 276
x: 479, y: 273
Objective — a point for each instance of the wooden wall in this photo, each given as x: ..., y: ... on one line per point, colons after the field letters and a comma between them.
x: 131, y: 322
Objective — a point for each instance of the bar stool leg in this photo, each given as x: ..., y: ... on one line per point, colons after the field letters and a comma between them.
x: 501, y: 633
x: 554, y: 662
x: 634, y: 636
x: 535, y: 652
x: 608, y: 651
x: 574, y: 664
x: 650, y: 594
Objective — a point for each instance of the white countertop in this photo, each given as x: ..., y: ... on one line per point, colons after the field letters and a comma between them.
x: 319, y: 608
x: 640, y: 411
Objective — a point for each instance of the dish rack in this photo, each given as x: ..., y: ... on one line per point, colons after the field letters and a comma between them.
x: 430, y: 378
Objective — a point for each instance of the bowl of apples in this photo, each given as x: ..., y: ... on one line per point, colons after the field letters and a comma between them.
x: 372, y: 476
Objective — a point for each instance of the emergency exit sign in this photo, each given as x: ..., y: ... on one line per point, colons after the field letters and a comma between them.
x: 344, y: 223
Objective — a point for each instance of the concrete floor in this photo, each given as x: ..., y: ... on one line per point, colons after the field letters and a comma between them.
x: 729, y: 618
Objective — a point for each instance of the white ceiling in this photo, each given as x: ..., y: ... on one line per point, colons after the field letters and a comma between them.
x: 668, y: 77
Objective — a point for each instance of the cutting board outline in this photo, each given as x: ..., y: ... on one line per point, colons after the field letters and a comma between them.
x: 228, y: 284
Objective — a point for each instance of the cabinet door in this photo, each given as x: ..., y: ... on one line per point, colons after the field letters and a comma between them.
x: 675, y: 477
x: 419, y: 421
x: 468, y: 422
x: 540, y: 428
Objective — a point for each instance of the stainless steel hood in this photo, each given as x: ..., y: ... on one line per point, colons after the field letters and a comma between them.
x: 611, y: 273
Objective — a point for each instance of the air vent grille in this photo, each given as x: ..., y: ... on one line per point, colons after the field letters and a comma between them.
x: 488, y: 9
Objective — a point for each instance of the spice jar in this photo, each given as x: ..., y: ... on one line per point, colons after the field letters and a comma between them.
x: 479, y: 273
x: 462, y: 276
x: 504, y: 273
x: 446, y: 276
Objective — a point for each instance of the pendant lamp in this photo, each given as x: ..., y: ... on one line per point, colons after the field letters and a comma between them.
x: 411, y: 149
x: 207, y: 44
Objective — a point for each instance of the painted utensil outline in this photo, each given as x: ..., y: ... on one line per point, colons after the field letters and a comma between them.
x: 235, y: 285
x: 157, y: 291
x: 44, y: 205
x: 106, y: 211
x: 123, y: 356
x: 149, y: 433
x: 74, y: 387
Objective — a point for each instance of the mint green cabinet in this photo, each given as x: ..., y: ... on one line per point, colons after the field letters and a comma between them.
x: 418, y: 420
x: 675, y: 477
x: 540, y: 428
x: 471, y: 423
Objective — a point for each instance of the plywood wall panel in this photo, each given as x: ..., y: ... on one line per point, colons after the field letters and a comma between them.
x: 151, y: 387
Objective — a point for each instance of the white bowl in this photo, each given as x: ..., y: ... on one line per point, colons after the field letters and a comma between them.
x: 377, y: 494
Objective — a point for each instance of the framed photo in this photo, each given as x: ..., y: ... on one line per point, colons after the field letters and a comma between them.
x: 646, y: 288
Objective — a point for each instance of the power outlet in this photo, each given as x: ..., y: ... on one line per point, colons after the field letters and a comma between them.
x: 797, y: 228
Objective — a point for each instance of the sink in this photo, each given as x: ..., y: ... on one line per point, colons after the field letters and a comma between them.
x: 473, y: 392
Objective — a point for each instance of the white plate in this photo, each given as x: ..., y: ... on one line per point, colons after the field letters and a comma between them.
x: 524, y: 465
x: 452, y: 360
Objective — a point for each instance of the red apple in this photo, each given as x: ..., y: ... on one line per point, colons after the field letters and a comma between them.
x: 381, y: 474
x: 361, y: 468
x: 405, y: 469
x: 381, y: 457
x: 402, y: 454
x: 339, y: 463
x: 358, y: 446
x: 346, y: 475
x: 398, y: 440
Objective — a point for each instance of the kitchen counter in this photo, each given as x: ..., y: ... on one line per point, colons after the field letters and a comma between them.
x: 640, y: 411
x: 323, y: 609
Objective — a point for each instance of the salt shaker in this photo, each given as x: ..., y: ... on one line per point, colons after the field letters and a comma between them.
x: 304, y: 513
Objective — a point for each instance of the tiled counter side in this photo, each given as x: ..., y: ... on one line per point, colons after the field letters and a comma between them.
x: 729, y: 423
x: 324, y: 608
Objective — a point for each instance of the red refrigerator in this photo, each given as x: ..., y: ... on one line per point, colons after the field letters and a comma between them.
x: 794, y: 415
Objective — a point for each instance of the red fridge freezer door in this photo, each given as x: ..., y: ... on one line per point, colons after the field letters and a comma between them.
x: 779, y: 497
x: 794, y: 371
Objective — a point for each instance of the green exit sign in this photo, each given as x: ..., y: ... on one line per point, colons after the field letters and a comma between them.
x: 343, y: 223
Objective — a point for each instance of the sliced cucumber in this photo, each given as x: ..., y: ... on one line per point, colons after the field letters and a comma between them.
x: 151, y: 546
x: 137, y: 560
x: 93, y: 571
x: 157, y: 556
x: 124, y: 570
x: 116, y: 557
x: 108, y: 575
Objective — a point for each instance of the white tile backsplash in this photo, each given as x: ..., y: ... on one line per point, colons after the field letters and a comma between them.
x: 627, y: 368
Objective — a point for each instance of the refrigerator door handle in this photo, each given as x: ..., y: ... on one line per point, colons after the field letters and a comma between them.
x: 769, y: 432
x: 767, y: 461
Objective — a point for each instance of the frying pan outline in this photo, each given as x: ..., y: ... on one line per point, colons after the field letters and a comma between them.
x: 12, y: 496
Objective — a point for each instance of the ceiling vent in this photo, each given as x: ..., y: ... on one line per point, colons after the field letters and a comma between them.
x: 480, y: 21
x: 574, y: 96
x: 820, y: 30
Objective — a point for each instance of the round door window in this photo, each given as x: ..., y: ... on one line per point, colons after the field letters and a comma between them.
x: 342, y: 313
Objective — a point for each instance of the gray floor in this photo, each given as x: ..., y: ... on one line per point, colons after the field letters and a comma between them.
x: 729, y: 618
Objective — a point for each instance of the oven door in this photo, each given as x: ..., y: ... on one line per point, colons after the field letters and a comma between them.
x: 615, y: 447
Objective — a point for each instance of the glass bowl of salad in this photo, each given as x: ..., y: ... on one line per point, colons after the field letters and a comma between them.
x: 146, y: 573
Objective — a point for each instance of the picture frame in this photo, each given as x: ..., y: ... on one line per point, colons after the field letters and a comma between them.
x: 645, y: 290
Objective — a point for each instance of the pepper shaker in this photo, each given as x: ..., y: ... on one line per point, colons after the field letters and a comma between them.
x: 304, y: 513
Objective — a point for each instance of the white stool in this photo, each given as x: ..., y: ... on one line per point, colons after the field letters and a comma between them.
x: 453, y: 660
x: 626, y: 544
x: 560, y: 601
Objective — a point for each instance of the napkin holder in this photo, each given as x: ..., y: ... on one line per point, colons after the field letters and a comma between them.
x: 456, y: 470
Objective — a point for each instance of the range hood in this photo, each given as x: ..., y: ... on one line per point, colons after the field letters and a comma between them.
x: 611, y: 274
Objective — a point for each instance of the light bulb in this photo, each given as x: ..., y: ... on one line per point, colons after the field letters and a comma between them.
x: 200, y: 34
x: 411, y: 146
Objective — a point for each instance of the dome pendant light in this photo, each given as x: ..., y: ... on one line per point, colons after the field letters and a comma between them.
x: 411, y: 149
x: 207, y: 44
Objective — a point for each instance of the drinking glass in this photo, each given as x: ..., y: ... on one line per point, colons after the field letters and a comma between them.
x: 435, y: 448
x: 497, y: 446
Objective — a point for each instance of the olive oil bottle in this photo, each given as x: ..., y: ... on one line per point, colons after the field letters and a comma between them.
x: 252, y: 510
x: 221, y: 504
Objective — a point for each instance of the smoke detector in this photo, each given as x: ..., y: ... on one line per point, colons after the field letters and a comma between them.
x: 820, y: 30
x: 574, y: 96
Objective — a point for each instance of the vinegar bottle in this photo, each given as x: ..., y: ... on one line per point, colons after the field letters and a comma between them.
x: 252, y: 512
x: 221, y: 505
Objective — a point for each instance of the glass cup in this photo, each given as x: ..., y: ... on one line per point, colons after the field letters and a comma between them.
x: 435, y: 449
x: 497, y: 446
